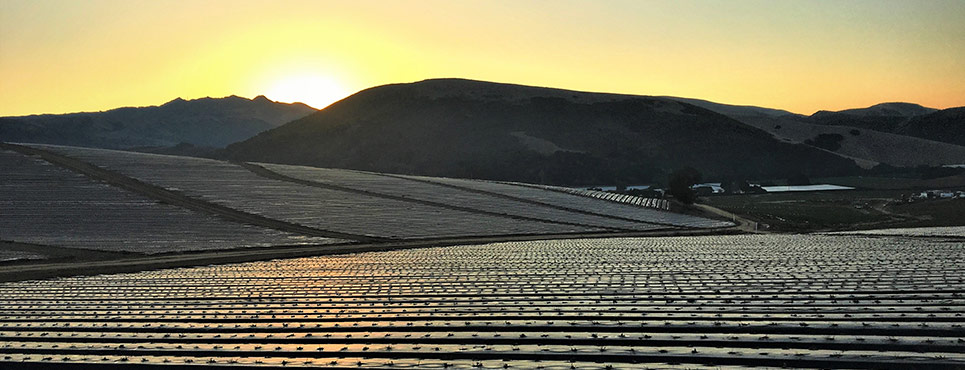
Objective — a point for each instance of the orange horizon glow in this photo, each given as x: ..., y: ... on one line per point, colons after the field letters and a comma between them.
x: 60, y: 56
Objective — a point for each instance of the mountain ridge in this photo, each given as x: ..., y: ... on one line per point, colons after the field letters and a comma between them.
x: 209, y: 122
x: 869, y: 136
x: 902, y: 109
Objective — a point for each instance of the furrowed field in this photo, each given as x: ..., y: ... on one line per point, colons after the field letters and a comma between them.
x: 803, y: 301
x: 62, y: 201
x: 114, y: 259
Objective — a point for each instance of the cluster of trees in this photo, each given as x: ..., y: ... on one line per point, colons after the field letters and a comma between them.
x: 679, y: 184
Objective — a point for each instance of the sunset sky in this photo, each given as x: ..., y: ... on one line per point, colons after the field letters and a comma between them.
x: 802, y: 56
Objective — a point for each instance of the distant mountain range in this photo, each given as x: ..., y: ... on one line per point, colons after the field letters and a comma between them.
x: 206, y: 122
x: 475, y: 129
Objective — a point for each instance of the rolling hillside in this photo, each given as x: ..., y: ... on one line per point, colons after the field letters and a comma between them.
x: 899, y: 134
x: 206, y: 122
x: 473, y: 129
x: 947, y: 125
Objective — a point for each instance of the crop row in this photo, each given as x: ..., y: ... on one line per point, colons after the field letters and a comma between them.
x: 21, y: 306
x: 614, y: 353
x: 602, y: 338
x: 50, y: 361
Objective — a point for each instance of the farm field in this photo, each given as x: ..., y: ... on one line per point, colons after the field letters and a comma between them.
x: 570, y: 201
x: 896, y: 183
x: 827, y: 301
x: 841, y: 210
x: 814, y: 187
x: 67, y: 210
x: 45, y: 204
x: 363, y: 215
x: 621, y: 198
x: 400, y: 187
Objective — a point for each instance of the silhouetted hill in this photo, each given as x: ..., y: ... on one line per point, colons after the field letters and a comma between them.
x: 206, y: 122
x: 473, y: 129
x: 867, y: 118
x: 894, y: 109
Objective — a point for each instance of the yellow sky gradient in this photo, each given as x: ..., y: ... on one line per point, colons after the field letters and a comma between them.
x: 89, y: 55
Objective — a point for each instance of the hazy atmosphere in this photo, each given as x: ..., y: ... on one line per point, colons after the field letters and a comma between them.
x: 59, y: 56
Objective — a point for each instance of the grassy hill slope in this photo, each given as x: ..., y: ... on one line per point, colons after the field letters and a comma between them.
x: 899, y: 134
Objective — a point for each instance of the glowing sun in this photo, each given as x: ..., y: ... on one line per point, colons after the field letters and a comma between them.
x: 314, y: 90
